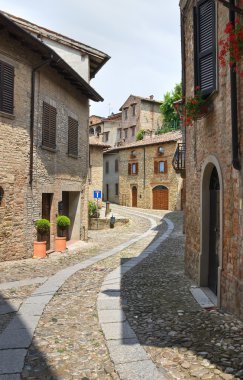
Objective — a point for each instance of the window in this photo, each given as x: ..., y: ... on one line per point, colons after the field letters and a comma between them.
x: 106, y: 136
x: 72, y: 136
x: 116, y: 165
x: 6, y: 87
x: 125, y: 113
x: 49, y: 118
x: 133, y: 168
x: 116, y: 189
x: 133, y: 130
x: 160, y: 167
x: 119, y: 133
x: 1, y: 196
x: 107, y: 167
x: 133, y: 109
x: 125, y: 132
x: 205, y: 46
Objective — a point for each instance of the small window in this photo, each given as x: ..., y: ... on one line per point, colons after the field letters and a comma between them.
x: 119, y: 133
x: 91, y: 131
x: 107, y: 167
x: 125, y: 113
x: 133, y: 109
x: 133, y: 168
x: 116, y: 189
x: 49, y: 119
x: 72, y: 136
x: 133, y: 130
x: 6, y: 87
x: 98, y: 130
x: 126, y: 133
x: 160, y: 167
x: 116, y: 165
x: 106, y: 136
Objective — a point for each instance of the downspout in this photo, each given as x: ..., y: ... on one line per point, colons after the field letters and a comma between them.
x: 144, y: 169
x: 234, y: 106
x: 32, y: 117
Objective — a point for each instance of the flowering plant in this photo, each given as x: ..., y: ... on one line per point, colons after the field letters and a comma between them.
x: 195, y: 107
x: 231, y: 47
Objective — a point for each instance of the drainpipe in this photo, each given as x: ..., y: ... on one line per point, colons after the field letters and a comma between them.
x: 32, y: 117
x: 234, y: 107
x: 144, y: 170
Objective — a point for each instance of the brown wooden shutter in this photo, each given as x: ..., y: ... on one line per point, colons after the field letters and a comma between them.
x: 136, y: 167
x: 156, y: 167
x: 166, y: 167
x: 72, y: 136
x: 49, y: 126
x: 206, y: 46
x: 129, y: 169
x: 6, y: 87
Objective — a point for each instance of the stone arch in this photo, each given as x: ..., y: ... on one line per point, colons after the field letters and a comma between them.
x: 91, y: 131
x: 211, y: 163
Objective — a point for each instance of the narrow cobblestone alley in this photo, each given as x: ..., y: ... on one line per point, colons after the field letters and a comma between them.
x: 181, y: 338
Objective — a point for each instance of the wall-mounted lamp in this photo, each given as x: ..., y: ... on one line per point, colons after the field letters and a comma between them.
x: 161, y: 150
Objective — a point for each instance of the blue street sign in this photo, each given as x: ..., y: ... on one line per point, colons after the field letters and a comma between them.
x: 97, y: 194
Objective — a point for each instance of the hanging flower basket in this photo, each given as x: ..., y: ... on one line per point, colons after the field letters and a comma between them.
x: 195, y: 107
x: 231, y: 46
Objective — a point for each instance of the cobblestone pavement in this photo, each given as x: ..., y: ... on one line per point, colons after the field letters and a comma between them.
x: 179, y: 336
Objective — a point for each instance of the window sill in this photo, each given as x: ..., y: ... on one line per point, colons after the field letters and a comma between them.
x: 73, y: 155
x: 7, y: 115
x: 53, y: 150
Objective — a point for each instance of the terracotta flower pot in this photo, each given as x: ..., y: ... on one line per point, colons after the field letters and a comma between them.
x: 60, y: 244
x: 39, y: 249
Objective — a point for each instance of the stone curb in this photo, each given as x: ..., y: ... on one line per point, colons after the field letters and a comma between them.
x: 23, y: 325
x: 130, y: 359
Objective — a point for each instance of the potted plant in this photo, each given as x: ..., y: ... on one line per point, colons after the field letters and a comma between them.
x: 93, y: 210
x: 63, y: 222
x: 195, y: 107
x: 42, y: 227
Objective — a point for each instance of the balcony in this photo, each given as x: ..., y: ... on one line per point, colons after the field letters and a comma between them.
x: 179, y: 158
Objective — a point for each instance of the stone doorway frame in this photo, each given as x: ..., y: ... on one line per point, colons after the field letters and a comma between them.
x: 207, y: 167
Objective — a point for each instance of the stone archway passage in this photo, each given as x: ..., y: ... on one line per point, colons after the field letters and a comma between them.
x: 160, y: 198
x: 134, y: 196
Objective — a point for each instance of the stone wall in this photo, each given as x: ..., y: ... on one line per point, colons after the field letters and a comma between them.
x: 96, y: 170
x: 53, y: 172
x: 146, y: 179
x: 211, y: 136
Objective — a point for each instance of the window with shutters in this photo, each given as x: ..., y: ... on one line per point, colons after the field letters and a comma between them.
x: 116, y: 165
x: 133, y: 168
x: 107, y: 167
x: 205, y: 46
x: 49, y: 118
x: 116, y: 189
x: 6, y: 87
x: 72, y: 136
x: 160, y: 167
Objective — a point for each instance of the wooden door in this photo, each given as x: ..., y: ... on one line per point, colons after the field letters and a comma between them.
x: 160, y: 198
x: 134, y: 196
x: 46, y: 214
x: 214, y: 235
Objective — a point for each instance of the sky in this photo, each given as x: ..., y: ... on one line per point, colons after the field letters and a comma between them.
x: 141, y: 36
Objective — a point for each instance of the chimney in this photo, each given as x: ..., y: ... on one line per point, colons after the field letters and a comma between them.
x: 151, y: 97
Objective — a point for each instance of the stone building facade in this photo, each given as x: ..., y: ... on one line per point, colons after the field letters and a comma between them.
x: 147, y: 178
x: 140, y: 114
x: 214, y: 143
x: 111, y: 176
x: 96, y: 148
x: 108, y: 129
x: 44, y: 115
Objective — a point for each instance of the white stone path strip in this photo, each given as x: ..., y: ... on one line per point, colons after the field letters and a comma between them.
x: 16, y: 338
x: 130, y: 359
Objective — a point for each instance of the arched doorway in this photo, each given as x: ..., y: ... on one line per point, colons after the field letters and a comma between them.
x: 211, y: 226
x: 214, y: 230
x: 160, y: 198
x: 134, y: 196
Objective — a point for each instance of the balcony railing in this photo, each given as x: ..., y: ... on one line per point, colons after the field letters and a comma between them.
x: 179, y: 158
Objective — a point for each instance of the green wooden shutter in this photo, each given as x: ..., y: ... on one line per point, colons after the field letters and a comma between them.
x: 6, y: 87
x: 49, y: 126
x: 72, y: 136
x: 206, y: 46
